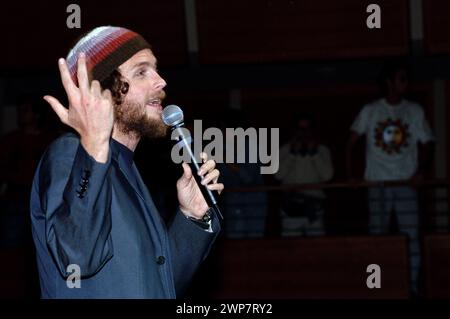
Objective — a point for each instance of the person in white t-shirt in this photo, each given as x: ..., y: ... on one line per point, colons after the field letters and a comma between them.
x: 304, y: 161
x: 393, y: 128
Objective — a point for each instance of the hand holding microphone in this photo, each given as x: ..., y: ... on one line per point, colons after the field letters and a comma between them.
x: 195, y: 193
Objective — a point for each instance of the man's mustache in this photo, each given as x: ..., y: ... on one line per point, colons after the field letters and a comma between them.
x: 161, y: 95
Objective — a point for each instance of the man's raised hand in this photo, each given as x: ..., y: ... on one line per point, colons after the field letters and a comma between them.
x: 90, y: 111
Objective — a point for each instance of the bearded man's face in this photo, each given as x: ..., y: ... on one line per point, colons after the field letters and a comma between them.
x: 140, y: 111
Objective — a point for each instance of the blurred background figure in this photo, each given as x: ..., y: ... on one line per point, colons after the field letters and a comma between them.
x: 303, y: 161
x: 245, y: 212
x: 21, y: 150
x: 393, y: 128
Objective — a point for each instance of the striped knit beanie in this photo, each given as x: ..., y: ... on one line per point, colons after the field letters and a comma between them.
x: 106, y: 48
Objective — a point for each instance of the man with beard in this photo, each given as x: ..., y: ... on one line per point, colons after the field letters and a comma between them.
x: 96, y: 229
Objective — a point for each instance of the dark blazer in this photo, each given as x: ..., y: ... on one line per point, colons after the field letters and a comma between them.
x: 98, y: 217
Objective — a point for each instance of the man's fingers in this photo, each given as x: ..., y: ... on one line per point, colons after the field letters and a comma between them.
x: 59, y: 109
x: 212, y: 176
x: 204, y: 157
x: 82, y: 74
x: 66, y: 79
x: 107, y: 95
x: 96, y: 89
x: 216, y: 187
x: 187, y: 172
x: 207, y: 167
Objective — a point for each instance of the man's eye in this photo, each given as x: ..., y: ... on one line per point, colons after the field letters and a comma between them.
x: 141, y: 72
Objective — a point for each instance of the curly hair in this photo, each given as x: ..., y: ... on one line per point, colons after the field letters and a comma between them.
x: 118, y: 87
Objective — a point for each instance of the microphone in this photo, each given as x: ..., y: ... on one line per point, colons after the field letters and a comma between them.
x: 172, y: 116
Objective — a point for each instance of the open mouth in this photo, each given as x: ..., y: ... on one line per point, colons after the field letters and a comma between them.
x: 155, y: 103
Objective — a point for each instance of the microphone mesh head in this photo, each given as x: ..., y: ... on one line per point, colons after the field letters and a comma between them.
x: 172, y: 115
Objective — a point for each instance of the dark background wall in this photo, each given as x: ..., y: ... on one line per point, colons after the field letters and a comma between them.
x: 279, y: 55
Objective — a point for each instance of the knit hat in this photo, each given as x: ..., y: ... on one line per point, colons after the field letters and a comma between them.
x: 106, y: 48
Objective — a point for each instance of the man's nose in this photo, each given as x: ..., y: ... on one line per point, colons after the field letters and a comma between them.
x: 160, y: 83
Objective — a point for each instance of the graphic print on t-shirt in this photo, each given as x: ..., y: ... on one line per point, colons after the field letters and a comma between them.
x: 392, y: 135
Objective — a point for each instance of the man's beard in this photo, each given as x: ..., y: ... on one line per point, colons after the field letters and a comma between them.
x: 132, y: 118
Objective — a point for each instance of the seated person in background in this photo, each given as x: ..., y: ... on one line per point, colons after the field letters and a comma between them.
x: 246, y: 212
x: 302, y: 161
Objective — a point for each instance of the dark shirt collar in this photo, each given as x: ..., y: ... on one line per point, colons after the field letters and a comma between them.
x: 126, y: 154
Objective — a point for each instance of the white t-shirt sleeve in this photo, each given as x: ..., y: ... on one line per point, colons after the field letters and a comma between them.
x: 424, y: 133
x: 322, y: 162
x: 287, y: 161
x: 361, y: 123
